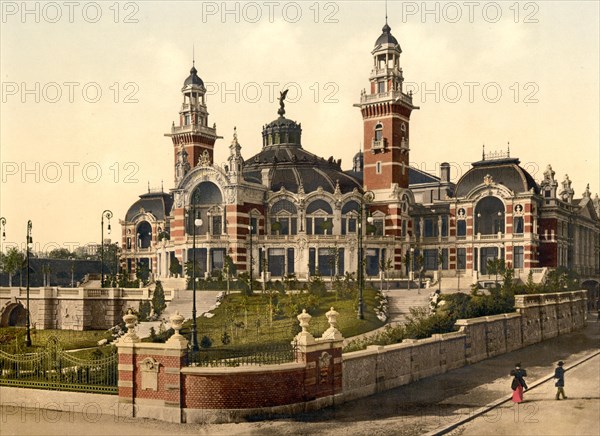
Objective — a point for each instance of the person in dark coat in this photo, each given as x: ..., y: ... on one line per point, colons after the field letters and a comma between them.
x: 559, y: 374
x: 518, y: 383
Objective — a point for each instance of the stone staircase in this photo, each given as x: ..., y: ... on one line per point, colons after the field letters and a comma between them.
x: 401, y: 300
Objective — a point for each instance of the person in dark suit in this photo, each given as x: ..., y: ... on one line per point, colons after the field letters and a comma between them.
x: 559, y: 374
x: 518, y: 383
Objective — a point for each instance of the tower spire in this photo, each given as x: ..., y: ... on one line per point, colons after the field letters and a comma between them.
x: 193, y: 55
x: 386, y: 16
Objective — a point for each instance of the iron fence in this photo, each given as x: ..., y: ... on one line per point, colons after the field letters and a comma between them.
x: 55, y: 369
x: 272, y: 354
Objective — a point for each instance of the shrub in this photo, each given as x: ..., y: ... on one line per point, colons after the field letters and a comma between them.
x: 205, y: 342
x: 158, y: 299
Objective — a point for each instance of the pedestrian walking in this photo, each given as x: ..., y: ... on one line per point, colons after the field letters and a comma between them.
x: 518, y: 383
x: 559, y: 374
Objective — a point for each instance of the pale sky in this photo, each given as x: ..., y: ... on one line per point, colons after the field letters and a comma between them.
x: 65, y: 158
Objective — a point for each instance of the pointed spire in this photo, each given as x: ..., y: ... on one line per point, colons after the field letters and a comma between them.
x: 386, y: 16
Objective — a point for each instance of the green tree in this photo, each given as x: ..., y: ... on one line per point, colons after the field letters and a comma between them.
x: 60, y: 253
x: 205, y: 342
x: 12, y: 263
x: 158, y: 299
x: 175, y: 267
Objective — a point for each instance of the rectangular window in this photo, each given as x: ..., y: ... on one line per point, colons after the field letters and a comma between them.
x: 352, y: 225
x: 378, y: 168
x: 254, y: 225
x: 417, y: 223
x: 319, y: 226
x: 276, y: 262
x: 217, y: 228
x: 309, y: 226
x: 377, y: 227
x: 517, y: 257
x: 461, y: 258
x: 381, y: 87
x: 327, y: 261
x: 429, y: 226
x: 311, y: 260
x: 343, y: 226
x: 290, y: 261
x: 403, y: 227
x: 372, y: 258
x: 461, y: 228
x: 431, y: 259
x: 218, y: 258
x: 518, y: 224
x: 340, y: 264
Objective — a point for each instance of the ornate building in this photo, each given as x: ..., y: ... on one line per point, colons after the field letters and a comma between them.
x: 292, y: 211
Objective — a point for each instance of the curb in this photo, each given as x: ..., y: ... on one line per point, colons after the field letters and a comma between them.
x: 443, y: 430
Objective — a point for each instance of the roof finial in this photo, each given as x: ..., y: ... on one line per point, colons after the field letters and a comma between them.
x: 162, y: 185
x: 148, y: 185
x: 193, y: 55
x: 508, y: 150
x: 483, y: 153
x: 385, y: 11
x: 282, y: 95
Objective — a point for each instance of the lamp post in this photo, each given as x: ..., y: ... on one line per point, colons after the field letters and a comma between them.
x: 197, y: 223
x: 360, y: 266
x: 412, y: 267
x: 3, y: 225
x: 108, y: 214
x: 28, y: 242
x: 251, y: 260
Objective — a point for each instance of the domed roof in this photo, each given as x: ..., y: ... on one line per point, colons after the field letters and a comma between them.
x: 291, y: 166
x: 193, y: 78
x: 157, y: 203
x: 386, y: 37
x: 505, y: 172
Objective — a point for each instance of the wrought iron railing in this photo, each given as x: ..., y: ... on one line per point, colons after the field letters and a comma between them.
x: 55, y: 369
x: 274, y: 354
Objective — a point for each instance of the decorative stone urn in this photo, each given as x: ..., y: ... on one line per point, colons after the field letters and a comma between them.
x: 332, y: 332
x: 177, y: 340
x: 304, y: 337
x: 130, y: 320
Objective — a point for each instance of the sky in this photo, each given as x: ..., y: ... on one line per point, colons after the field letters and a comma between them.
x: 90, y: 88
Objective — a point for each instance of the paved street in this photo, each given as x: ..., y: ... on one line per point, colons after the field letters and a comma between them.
x: 414, y: 409
x: 541, y: 414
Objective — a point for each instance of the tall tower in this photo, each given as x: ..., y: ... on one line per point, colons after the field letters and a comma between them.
x: 193, y: 134
x: 386, y: 113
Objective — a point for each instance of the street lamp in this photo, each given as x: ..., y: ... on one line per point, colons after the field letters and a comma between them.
x: 412, y: 267
x: 360, y: 267
x: 28, y: 244
x: 3, y: 225
x: 108, y: 214
x: 250, y: 228
x: 197, y: 223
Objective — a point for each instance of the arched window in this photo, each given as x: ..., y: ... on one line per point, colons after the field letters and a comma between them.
x: 143, y: 235
x: 284, y: 218
x: 489, y: 216
x: 350, y: 217
x: 378, y: 132
x: 205, y: 197
x: 319, y: 218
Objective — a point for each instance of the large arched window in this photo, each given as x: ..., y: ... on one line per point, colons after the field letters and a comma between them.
x: 143, y: 234
x: 350, y: 217
x: 319, y: 218
x: 206, y: 202
x: 284, y: 218
x: 489, y: 216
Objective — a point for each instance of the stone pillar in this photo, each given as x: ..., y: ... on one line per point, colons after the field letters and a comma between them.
x: 150, y: 382
x: 322, y: 357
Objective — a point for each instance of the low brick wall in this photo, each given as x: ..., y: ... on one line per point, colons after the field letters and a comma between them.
x: 538, y: 317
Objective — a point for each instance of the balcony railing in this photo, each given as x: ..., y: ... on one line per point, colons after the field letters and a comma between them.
x: 378, y: 145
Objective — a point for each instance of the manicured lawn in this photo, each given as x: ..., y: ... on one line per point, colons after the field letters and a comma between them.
x: 247, y: 320
x: 68, y: 339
